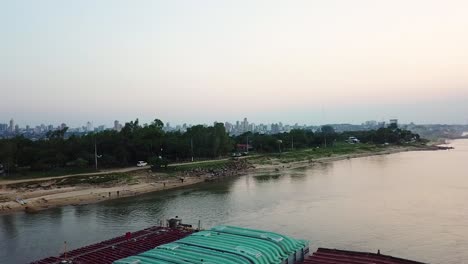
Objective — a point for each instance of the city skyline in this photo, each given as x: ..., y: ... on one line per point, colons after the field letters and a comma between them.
x: 236, y: 127
x: 6, y: 125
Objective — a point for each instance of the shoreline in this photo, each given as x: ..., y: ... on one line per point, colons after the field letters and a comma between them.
x: 38, y: 200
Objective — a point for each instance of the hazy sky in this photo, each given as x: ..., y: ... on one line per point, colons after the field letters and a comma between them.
x: 199, y: 61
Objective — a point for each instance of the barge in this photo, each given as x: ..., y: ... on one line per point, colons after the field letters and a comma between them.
x: 181, y: 244
x: 129, y: 244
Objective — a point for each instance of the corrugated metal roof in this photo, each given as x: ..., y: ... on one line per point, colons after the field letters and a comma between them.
x: 106, y: 252
x: 333, y: 256
x: 225, y: 244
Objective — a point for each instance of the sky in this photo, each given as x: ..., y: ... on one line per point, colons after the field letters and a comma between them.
x: 187, y: 61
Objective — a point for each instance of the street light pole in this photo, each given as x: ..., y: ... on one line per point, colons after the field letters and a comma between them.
x: 95, y: 154
x: 191, y: 147
x: 247, y: 145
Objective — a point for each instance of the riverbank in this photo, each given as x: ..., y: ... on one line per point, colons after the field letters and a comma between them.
x: 36, y: 194
x: 53, y: 192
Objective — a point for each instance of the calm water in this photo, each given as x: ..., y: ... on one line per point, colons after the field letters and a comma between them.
x: 412, y: 204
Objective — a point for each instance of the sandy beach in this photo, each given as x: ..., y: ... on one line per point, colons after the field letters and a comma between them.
x: 44, y: 199
x: 50, y: 196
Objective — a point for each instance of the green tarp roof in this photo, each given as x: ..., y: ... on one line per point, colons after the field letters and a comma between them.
x: 223, y: 244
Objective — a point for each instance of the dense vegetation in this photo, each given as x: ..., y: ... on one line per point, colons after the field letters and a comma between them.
x: 145, y: 142
x: 115, y: 149
x: 299, y: 139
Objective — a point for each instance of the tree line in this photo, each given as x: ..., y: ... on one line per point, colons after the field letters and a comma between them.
x: 145, y: 142
x: 325, y: 137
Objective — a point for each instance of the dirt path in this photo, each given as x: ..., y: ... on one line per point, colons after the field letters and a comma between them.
x: 103, y: 172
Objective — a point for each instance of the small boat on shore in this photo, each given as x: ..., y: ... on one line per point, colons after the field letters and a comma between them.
x: 20, y: 201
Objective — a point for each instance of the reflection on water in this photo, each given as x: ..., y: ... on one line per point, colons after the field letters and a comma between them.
x: 412, y: 204
x: 267, y: 177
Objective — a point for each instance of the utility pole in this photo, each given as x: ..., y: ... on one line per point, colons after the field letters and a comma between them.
x: 247, y: 145
x: 95, y: 154
x: 191, y: 147
x: 325, y: 137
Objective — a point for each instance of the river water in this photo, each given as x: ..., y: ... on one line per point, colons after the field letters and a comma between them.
x: 412, y: 205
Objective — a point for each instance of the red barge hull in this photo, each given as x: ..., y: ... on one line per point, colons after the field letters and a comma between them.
x: 108, y: 251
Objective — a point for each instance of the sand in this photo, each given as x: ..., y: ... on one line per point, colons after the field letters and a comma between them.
x: 44, y: 199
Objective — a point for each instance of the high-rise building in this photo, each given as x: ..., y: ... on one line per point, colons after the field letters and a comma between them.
x: 228, y: 127
x: 117, y: 126
x: 3, y: 127
x: 89, y: 127
x: 63, y: 125
x: 245, y: 125
x: 12, y: 126
x: 393, y: 123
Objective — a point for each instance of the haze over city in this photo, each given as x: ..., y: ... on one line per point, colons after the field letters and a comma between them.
x: 198, y: 62
x: 233, y: 132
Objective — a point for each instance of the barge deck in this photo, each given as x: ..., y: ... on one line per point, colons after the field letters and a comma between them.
x: 106, y: 252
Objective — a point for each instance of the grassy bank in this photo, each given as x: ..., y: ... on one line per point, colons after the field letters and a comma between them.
x: 98, y: 179
x: 25, y: 173
x: 316, y: 153
x: 102, y: 179
x: 308, y: 154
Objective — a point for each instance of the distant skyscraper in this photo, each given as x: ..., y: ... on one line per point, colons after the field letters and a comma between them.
x: 12, y: 125
x: 245, y: 125
x: 89, y: 127
x: 228, y: 127
x: 117, y: 126
x: 63, y: 125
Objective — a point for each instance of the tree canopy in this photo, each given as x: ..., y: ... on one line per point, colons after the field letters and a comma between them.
x: 145, y: 142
